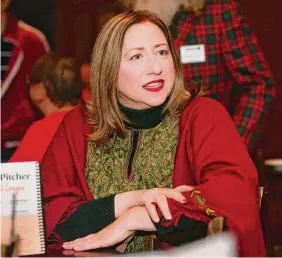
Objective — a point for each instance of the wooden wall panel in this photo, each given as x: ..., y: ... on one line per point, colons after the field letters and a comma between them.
x: 78, y: 23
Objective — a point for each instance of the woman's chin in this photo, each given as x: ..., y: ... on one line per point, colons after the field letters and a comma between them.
x: 156, y: 103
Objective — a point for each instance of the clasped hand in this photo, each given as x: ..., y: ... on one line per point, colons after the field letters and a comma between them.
x: 158, y: 197
x: 137, y: 218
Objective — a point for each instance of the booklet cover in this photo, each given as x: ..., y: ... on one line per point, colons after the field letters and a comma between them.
x: 21, y: 190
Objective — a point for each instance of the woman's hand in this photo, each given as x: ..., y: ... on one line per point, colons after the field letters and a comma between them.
x: 158, y: 196
x: 150, y: 198
x: 120, y: 231
x: 113, y: 234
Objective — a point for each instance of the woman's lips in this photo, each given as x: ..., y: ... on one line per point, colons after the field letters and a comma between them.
x: 154, y: 86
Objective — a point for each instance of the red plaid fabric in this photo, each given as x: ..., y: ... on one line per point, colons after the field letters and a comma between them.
x: 235, y: 70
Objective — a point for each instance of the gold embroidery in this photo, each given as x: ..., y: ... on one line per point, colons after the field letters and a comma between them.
x: 106, y: 173
x: 201, y: 201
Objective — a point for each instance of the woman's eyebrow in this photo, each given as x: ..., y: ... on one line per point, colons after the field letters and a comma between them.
x: 142, y: 48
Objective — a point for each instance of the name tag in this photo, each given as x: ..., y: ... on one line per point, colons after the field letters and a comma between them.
x: 192, y: 54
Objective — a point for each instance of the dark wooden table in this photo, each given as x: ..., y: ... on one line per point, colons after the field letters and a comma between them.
x: 71, y: 253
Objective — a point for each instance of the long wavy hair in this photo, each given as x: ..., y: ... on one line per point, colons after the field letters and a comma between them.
x: 104, y: 113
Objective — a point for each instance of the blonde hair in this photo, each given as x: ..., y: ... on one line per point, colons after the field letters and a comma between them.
x: 104, y: 113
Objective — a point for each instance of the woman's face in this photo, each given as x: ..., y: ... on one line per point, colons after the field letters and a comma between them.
x: 146, y: 74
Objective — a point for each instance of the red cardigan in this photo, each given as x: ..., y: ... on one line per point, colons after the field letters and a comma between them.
x: 210, y: 156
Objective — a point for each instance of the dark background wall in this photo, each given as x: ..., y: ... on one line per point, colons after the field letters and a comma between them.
x: 78, y: 23
x: 38, y: 13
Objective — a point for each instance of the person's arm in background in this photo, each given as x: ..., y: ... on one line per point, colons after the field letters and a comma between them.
x: 250, y: 71
x: 34, y: 45
x: 38, y: 44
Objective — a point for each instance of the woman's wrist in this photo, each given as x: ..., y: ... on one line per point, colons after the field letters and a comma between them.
x: 138, y: 219
x: 127, y: 200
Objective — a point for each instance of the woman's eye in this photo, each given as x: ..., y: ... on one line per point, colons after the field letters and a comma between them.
x: 162, y: 53
x: 135, y: 57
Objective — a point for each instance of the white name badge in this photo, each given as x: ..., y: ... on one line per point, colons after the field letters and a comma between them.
x: 192, y: 54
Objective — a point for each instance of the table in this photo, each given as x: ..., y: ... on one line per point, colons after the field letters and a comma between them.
x: 71, y: 253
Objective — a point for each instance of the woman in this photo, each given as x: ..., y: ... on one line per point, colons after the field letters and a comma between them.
x: 55, y: 89
x: 144, y: 132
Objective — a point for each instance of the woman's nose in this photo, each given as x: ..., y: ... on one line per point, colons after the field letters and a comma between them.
x: 154, y: 66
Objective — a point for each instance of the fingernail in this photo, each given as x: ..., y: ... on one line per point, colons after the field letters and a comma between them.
x: 184, y: 200
x: 157, y: 220
x: 169, y: 217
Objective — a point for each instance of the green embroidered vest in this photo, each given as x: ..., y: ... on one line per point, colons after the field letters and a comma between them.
x: 152, y: 166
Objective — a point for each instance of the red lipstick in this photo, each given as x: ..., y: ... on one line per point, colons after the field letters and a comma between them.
x: 154, y: 86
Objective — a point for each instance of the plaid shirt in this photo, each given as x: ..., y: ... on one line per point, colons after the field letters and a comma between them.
x: 235, y: 70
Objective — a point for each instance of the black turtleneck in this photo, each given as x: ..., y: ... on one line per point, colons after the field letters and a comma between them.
x: 137, y: 120
x: 93, y: 216
x: 143, y: 118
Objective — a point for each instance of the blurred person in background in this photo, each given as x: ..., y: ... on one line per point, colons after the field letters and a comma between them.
x: 85, y: 76
x: 219, y: 52
x: 55, y: 88
x: 21, y: 46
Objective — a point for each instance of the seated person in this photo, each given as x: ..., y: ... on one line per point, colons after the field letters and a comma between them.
x: 55, y: 89
x: 146, y: 159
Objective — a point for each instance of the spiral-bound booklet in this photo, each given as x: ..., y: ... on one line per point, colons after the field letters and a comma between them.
x: 21, y: 207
